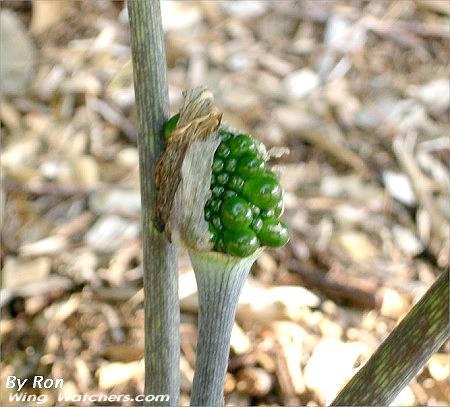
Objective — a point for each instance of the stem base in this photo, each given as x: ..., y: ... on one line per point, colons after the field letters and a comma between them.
x: 220, y: 279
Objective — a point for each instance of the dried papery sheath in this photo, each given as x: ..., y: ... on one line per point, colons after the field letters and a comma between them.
x: 184, y: 170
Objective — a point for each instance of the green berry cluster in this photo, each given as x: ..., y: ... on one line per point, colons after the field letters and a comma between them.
x: 246, y: 199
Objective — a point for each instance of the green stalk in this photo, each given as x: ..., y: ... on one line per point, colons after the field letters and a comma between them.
x: 405, y: 351
x: 162, y: 316
x: 220, y: 279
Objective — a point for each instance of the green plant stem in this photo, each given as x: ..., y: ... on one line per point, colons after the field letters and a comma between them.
x: 220, y: 279
x: 405, y: 351
x: 162, y: 314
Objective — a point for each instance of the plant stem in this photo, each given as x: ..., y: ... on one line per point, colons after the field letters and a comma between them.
x: 220, y: 279
x: 403, y: 353
x: 162, y: 316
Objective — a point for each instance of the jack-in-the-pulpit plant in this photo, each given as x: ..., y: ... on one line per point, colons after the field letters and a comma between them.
x: 218, y: 198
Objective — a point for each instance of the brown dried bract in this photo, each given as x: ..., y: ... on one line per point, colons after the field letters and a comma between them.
x: 199, y: 118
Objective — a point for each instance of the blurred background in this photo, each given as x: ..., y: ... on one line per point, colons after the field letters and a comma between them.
x: 359, y: 93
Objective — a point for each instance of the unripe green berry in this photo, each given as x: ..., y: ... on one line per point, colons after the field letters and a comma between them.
x: 236, y: 183
x: 230, y: 164
x: 222, y: 178
x: 208, y: 213
x: 267, y: 213
x: 241, y: 144
x: 256, y: 224
x: 215, y: 205
x: 217, y: 223
x: 278, y: 208
x: 229, y: 193
x: 249, y: 164
x: 266, y: 172
x: 225, y: 135
x: 223, y: 151
x: 236, y: 213
x: 264, y: 192
x: 217, y: 191
x: 240, y: 242
x: 217, y: 165
x: 273, y: 233
x: 255, y: 210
